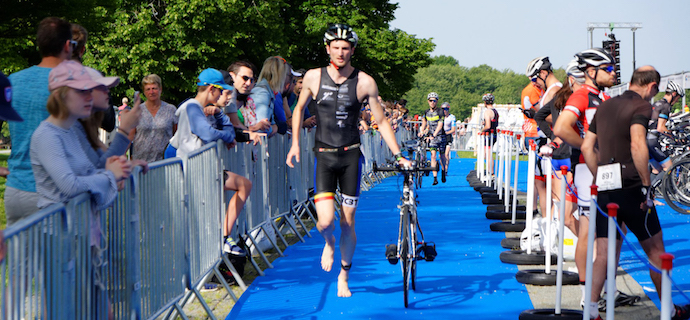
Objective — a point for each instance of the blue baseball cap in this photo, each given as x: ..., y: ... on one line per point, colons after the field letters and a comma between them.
x: 6, y: 110
x: 212, y: 77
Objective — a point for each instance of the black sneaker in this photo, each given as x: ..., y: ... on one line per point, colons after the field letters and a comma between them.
x: 392, y: 253
x: 429, y: 249
x: 443, y: 176
x: 435, y: 181
x: 681, y: 312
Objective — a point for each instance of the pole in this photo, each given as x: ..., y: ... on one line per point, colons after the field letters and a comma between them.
x: 517, y: 162
x: 500, y: 155
x: 506, y: 185
x: 548, y: 215
x: 633, y: 31
x: 611, y: 262
x: 530, y: 192
x: 666, y: 301
x: 590, y: 251
x: 561, y: 232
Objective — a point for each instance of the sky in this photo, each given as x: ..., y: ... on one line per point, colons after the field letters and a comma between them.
x: 509, y: 34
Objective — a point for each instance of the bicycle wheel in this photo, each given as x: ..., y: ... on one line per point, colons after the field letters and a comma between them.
x: 677, y: 187
x: 404, y: 253
x: 413, y: 246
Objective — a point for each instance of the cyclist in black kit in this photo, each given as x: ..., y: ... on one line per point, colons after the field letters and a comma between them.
x: 338, y: 91
x: 657, y: 126
x: 432, y: 125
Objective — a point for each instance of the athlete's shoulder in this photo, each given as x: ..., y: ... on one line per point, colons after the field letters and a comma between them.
x: 364, y: 77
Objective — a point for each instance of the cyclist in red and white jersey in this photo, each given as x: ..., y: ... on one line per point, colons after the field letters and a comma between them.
x: 573, y: 122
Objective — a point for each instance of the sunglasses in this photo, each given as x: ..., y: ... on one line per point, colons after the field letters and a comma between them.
x: 73, y: 43
x: 607, y: 69
x: 248, y: 78
x: 432, y: 100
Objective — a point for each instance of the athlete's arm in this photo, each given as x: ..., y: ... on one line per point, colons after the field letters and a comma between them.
x: 564, y: 129
x: 311, y: 80
x: 371, y: 91
x: 639, y: 151
x: 589, y: 153
x: 488, y: 116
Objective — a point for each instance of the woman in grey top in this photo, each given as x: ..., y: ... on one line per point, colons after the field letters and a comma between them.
x: 157, y: 124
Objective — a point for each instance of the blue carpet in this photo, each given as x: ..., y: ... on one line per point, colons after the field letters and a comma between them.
x: 467, y: 278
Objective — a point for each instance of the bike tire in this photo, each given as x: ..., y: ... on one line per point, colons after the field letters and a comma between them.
x: 676, y: 190
x: 404, y: 254
x: 413, y: 259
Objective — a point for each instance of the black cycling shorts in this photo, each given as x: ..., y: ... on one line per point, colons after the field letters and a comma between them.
x: 644, y: 224
x: 655, y: 151
x: 338, y: 168
x: 438, y: 143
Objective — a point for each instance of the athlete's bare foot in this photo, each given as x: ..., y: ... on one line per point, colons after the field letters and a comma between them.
x: 327, y: 256
x: 343, y: 288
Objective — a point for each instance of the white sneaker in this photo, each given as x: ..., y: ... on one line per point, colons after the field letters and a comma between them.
x: 231, y: 247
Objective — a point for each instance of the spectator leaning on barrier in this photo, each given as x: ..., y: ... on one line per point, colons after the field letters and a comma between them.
x: 61, y: 167
x: 196, y: 129
x: 622, y: 121
x: 339, y: 159
x: 30, y: 90
x: 271, y: 81
x: 87, y: 128
x: 241, y: 74
x: 105, y: 116
x: 157, y: 124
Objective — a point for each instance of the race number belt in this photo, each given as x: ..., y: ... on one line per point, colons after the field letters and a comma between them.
x: 354, y: 146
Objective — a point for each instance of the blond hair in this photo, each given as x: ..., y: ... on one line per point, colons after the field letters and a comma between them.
x: 275, y: 71
x: 152, y: 79
x: 56, y: 105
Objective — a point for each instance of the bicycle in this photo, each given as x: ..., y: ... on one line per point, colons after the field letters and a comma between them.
x: 416, y: 150
x: 676, y: 186
x: 411, y: 245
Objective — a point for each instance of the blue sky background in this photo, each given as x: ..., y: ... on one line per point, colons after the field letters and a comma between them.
x: 508, y: 34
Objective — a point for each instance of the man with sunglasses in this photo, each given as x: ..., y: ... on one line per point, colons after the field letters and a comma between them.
x: 432, y: 127
x: 631, y: 191
x: 573, y: 122
x: 30, y: 95
x: 338, y: 91
x: 241, y: 75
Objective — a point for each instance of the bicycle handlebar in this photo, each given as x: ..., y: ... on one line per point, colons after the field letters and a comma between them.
x: 397, y: 168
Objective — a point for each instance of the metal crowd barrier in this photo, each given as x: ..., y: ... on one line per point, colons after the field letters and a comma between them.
x: 162, y: 239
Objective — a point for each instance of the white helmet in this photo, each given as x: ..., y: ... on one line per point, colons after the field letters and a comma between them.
x: 340, y: 31
x: 488, y: 98
x: 593, y: 57
x: 572, y: 70
x: 432, y: 95
x: 674, y: 87
x: 536, y: 65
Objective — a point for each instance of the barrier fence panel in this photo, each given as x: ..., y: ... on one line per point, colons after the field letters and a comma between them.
x: 162, y: 236
x: 38, y: 263
x: 119, y: 225
x: 204, y: 210
x: 278, y: 195
x: 89, y: 245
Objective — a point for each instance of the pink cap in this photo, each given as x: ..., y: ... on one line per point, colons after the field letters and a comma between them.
x: 98, y: 77
x: 71, y: 74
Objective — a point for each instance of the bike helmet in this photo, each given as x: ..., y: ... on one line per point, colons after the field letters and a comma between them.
x: 594, y: 57
x: 572, y: 70
x: 536, y: 65
x: 432, y: 95
x: 340, y: 31
x: 488, y: 98
x: 674, y: 87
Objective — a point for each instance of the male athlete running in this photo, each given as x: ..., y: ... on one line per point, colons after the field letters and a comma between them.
x: 339, y: 90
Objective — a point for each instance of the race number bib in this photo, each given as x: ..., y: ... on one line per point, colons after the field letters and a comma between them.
x: 609, y: 177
